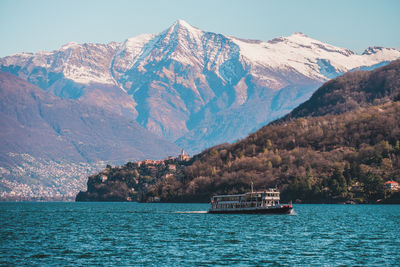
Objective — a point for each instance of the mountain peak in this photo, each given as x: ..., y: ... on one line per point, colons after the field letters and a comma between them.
x: 69, y: 45
x: 180, y: 24
x: 373, y: 50
x: 299, y: 34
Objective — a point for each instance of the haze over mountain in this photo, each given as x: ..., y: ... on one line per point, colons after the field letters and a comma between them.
x: 191, y: 87
x: 57, y: 128
x: 42, y: 136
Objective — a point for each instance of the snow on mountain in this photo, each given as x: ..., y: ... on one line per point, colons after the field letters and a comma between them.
x: 193, y: 47
x: 308, y: 56
x: 127, y: 52
x: 181, y: 42
x: 193, y: 87
x: 81, y: 63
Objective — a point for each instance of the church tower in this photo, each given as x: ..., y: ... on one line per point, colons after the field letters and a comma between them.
x: 183, y: 156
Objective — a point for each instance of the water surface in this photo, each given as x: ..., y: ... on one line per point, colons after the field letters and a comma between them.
x: 183, y: 234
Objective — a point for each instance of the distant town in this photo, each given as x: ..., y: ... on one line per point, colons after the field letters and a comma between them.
x: 66, y: 179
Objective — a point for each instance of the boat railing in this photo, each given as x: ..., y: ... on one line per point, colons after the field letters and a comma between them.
x: 243, y: 204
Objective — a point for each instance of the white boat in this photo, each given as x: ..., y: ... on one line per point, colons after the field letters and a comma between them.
x: 267, y: 201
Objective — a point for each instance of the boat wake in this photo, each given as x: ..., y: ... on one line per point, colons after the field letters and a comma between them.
x: 292, y: 212
x: 168, y: 212
x: 200, y: 211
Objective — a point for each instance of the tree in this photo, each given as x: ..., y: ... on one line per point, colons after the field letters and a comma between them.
x: 397, y: 147
x: 373, y: 186
x: 338, y: 183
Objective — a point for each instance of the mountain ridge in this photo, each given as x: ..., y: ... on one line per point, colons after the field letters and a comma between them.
x: 351, y: 91
x: 179, y: 81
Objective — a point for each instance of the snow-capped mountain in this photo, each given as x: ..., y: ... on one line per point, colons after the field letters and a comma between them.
x: 195, y: 88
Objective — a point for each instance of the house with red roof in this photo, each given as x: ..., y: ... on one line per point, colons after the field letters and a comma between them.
x: 392, y: 186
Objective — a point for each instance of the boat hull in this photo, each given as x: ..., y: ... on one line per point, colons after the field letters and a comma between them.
x: 273, y: 210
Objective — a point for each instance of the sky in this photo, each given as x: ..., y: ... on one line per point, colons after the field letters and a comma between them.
x: 45, y: 25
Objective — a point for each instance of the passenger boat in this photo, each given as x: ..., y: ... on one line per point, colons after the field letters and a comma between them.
x: 265, y: 202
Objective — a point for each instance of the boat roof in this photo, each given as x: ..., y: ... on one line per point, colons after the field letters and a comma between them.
x: 237, y: 195
x: 271, y: 190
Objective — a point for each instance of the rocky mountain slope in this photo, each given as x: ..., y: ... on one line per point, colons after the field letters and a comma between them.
x: 193, y: 87
x: 332, y: 158
x: 40, y: 127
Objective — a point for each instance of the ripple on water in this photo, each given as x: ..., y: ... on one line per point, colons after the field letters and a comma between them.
x: 40, y: 256
x: 184, y: 234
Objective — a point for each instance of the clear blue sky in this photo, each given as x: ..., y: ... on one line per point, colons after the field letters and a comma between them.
x: 33, y: 25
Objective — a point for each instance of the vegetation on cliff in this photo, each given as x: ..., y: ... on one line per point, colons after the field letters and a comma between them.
x: 133, y: 181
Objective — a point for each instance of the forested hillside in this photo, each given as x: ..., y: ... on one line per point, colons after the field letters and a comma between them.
x: 352, y: 91
x: 324, y: 159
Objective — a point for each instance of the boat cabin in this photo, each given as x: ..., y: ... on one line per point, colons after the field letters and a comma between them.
x: 267, y: 198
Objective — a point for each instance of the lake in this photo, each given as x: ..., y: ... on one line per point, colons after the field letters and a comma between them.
x: 184, y: 235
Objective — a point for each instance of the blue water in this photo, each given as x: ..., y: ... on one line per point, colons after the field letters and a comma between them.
x: 121, y: 234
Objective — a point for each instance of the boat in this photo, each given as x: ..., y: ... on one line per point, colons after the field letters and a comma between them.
x: 260, y: 202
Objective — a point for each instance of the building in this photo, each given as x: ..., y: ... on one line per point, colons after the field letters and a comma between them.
x: 356, y: 187
x: 172, y: 167
x: 103, y: 178
x: 183, y: 156
x: 149, y: 162
x: 391, y: 186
